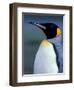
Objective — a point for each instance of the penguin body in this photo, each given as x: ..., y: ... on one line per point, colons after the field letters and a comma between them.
x: 45, y: 60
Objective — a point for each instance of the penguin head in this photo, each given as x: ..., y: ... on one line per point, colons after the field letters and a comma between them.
x: 51, y: 30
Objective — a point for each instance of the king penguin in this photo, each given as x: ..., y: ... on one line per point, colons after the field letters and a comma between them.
x: 48, y: 55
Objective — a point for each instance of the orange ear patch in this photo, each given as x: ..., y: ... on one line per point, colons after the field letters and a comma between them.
x: 58, y: 31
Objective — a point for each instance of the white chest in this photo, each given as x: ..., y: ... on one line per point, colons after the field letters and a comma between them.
x: 45, y: 60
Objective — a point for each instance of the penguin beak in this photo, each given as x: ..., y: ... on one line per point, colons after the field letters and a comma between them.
x: 59, y: 31
x: 38, y: 25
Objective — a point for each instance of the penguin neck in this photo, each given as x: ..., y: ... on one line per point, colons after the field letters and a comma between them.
x: 57, y: 44
x: 46, y: 43
x: 56, y: 41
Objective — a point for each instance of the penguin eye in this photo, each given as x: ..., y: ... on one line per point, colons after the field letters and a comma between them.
x: 51, y: 26
x: 58, y: 31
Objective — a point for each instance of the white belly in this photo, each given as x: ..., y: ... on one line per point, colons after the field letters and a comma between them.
x: 45, y: 60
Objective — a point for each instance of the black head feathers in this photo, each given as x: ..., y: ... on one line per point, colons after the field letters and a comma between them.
x: 51, y: 30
